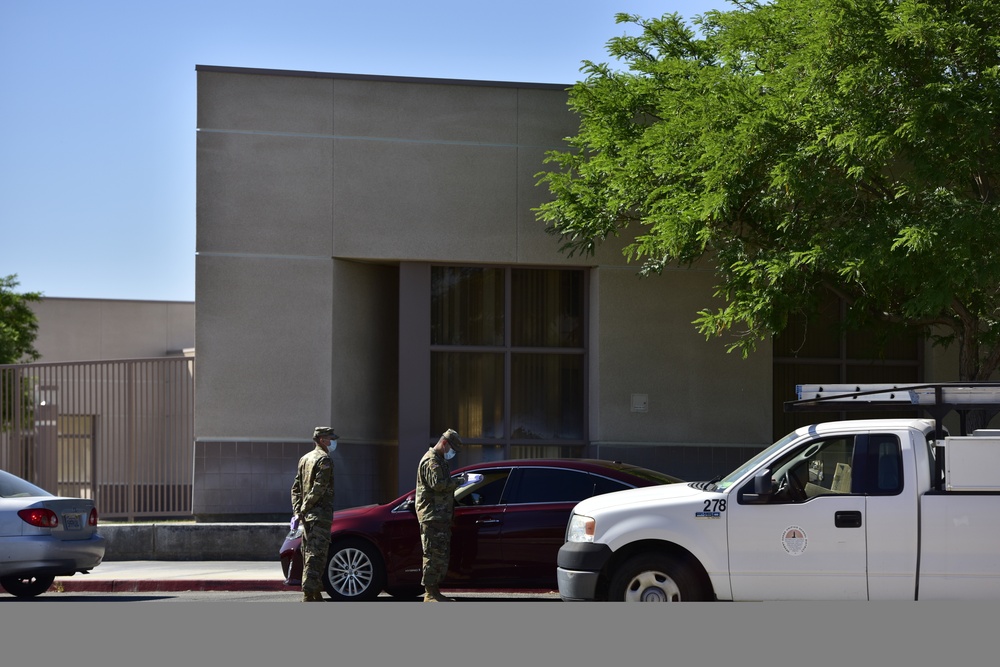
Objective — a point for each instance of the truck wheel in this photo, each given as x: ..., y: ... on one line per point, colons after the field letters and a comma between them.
x: 655, y: 578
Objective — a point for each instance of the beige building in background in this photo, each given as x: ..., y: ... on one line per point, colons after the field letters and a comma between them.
x: 107, y: 412
x: 328, y: 207
x: 102, y: 329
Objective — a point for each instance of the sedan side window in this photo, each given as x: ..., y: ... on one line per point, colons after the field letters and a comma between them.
x: 605, y: 485
x: 489, y: 491
x: 552, y: 485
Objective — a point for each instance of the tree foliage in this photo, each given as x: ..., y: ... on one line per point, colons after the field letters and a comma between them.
x: 803, y: 146
x: 18, y: 324
x: 18, y: 329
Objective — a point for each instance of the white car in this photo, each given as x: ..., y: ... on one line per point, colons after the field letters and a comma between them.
x: 43, y: 536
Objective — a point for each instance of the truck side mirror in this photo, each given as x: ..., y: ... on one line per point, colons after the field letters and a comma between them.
x: 763, y: 488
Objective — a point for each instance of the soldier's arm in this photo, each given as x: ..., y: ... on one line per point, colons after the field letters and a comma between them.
x: 437, y: 477
x: 296, y: 494
x: 322, y: 484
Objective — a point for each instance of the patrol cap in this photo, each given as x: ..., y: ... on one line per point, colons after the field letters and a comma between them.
x: 324, y: 431
x: 451, y: 435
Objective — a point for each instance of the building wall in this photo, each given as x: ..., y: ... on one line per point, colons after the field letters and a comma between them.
x: 695, y: 392
x: 100, y: 329
x: 317, y: 191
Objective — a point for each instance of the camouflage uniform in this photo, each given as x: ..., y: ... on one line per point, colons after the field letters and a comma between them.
x: 312, y: 502
x: 435, y: 503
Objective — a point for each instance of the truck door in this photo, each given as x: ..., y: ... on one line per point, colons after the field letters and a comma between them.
x: 807, y: 539
x: 891, y: 516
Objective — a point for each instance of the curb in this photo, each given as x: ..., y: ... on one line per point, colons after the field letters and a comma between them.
x: 172, y: 586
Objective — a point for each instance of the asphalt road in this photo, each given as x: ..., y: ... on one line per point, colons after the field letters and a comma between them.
x: 257, y: 596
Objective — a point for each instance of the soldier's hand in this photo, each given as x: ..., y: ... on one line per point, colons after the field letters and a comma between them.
x: 462, y: 479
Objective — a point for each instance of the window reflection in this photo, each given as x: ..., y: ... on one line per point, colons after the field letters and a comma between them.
x: 507, y: 366
x: 546, y: 308
x: 467, y: 393
x: 546, y: 397
x: 467, y: 306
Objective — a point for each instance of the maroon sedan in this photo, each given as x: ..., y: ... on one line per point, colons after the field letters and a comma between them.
x: 507, y: 530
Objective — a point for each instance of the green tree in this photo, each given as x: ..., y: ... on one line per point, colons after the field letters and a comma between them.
x: 18, y: 329
x: 18, y: 324
x: 803, y: 146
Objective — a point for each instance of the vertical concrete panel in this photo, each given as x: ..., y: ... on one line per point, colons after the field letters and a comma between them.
x: 264, y: 350
x: 697, y: 393
x: 265, y: 194
x: 425, y: 111
x: 424, y: 201
x: 265, y: 102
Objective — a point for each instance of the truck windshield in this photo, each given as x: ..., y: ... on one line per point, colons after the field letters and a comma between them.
x: 753, y: 463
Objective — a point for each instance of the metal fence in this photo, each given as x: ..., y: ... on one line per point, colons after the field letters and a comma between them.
x: 120, y: 432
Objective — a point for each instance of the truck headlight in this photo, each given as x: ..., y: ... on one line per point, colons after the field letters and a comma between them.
x: 580, y: 529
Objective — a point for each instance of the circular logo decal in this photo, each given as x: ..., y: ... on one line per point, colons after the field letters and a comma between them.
x: 794, y: 540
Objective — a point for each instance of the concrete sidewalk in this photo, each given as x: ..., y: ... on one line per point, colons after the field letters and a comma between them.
x: 164, y: 576
x: 171, y: 576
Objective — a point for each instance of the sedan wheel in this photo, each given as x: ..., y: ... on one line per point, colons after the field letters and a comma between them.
x: 354, y: 571
x: 27, y: 586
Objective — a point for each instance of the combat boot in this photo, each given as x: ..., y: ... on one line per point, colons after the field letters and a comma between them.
x: 313, y: 596
x: 433, y: 594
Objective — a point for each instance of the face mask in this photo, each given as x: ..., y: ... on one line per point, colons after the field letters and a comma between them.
x: 450, y: 454
x: 332, y: 446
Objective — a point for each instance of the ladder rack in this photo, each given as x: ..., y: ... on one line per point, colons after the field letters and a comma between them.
x: 936, y: 399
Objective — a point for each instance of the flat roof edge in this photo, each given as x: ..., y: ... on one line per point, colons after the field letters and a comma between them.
x: 379, y: 77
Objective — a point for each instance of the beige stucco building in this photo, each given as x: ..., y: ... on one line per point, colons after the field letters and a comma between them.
x: 368, y: 258
x: 98, y: 329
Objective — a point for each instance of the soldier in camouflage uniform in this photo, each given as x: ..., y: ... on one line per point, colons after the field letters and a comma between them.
x: 435, y: 504
x: 312, y: 505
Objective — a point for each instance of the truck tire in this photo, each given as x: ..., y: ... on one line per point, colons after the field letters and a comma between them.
x: 655, y: 578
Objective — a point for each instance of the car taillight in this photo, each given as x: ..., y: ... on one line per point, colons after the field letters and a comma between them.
x: 39, y: 516
x: 92, y: 519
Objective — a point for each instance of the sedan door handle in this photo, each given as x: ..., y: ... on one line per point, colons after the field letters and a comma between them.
x: 486, y: 522
x: 846, y: 519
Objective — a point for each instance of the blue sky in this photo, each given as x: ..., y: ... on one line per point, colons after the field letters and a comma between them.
x: 98, y: 122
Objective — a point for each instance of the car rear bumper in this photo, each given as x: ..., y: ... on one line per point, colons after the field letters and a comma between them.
x: 44, y: 554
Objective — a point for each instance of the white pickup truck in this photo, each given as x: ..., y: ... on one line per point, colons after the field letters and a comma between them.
x: 886, y: 509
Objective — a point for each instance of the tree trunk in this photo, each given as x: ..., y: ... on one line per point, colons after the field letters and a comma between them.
x: 971, y: 368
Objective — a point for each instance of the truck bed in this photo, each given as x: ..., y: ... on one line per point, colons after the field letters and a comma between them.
x: 959, y: 546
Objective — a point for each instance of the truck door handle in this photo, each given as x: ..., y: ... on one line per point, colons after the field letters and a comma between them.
x: 850, y: 519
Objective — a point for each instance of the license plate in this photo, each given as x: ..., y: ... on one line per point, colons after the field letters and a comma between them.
x: 73, y: 521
